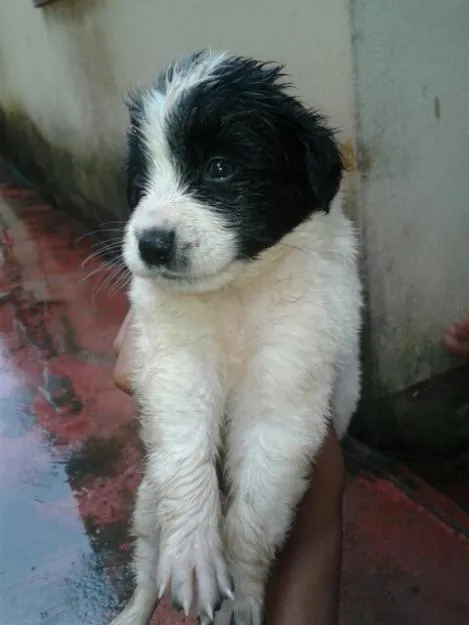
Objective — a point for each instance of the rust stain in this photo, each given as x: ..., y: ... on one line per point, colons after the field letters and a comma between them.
x: 347, y: 152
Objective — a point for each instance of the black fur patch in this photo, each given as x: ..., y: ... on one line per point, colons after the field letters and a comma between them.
x: 284, y: 159
x: 136, y: 158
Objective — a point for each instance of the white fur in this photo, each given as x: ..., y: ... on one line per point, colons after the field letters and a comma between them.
x: 212, y: 243
x: 251, y: 371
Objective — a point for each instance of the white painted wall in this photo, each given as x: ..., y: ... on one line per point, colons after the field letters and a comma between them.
x: 71, y: 63
x: 412, y: 60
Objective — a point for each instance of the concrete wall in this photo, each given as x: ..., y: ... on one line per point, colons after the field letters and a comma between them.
x: 412, y: 61
x: 65, y: 70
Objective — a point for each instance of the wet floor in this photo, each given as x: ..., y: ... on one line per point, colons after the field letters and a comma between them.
x: 69, y: 456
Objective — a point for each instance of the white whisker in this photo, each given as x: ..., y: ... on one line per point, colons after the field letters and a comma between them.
x: 93, y: 233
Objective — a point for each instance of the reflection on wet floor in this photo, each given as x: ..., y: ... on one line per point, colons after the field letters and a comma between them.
x: 49, y: 383
x: 48, y: 551
x: 70, y: 457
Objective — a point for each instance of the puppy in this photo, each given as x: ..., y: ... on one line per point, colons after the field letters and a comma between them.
x: 246, y: 303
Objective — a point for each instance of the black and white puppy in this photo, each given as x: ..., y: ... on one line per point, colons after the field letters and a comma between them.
x: 246, y: 317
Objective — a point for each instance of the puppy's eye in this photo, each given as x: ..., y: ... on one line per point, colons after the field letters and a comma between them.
x: 219, y: 170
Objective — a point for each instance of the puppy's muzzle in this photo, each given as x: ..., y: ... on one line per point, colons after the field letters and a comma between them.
x: 157, y: 247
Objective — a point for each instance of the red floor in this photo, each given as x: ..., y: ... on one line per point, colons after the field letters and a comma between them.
x: 69, y: 458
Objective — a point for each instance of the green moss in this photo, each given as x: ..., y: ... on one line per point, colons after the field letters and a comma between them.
x: 90, y: 186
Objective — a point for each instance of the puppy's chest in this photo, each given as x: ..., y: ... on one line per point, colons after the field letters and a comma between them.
x: 243, y: 323
x: 235, y: 335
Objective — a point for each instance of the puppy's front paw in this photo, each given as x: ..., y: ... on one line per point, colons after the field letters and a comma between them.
x: 193, y: 572
x: 245, y: 611
x: 126, y: 617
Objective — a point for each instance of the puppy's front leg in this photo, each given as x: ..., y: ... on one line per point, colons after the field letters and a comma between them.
x: 181, y: 402
x: 142, y: 603
x: 276, y: 429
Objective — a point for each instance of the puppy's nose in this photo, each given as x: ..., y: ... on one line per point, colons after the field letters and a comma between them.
x: 156, y: 246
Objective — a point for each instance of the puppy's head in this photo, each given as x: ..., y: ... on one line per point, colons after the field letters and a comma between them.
x: 222, y: 163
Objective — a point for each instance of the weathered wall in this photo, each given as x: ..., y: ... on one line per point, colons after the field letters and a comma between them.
x: 412, y: 61
x: 65, y: 70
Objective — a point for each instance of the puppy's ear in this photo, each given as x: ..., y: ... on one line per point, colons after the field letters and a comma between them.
x: 323, y: 162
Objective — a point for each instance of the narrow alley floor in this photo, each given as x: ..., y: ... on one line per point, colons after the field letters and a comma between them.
x: 69, y: 457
